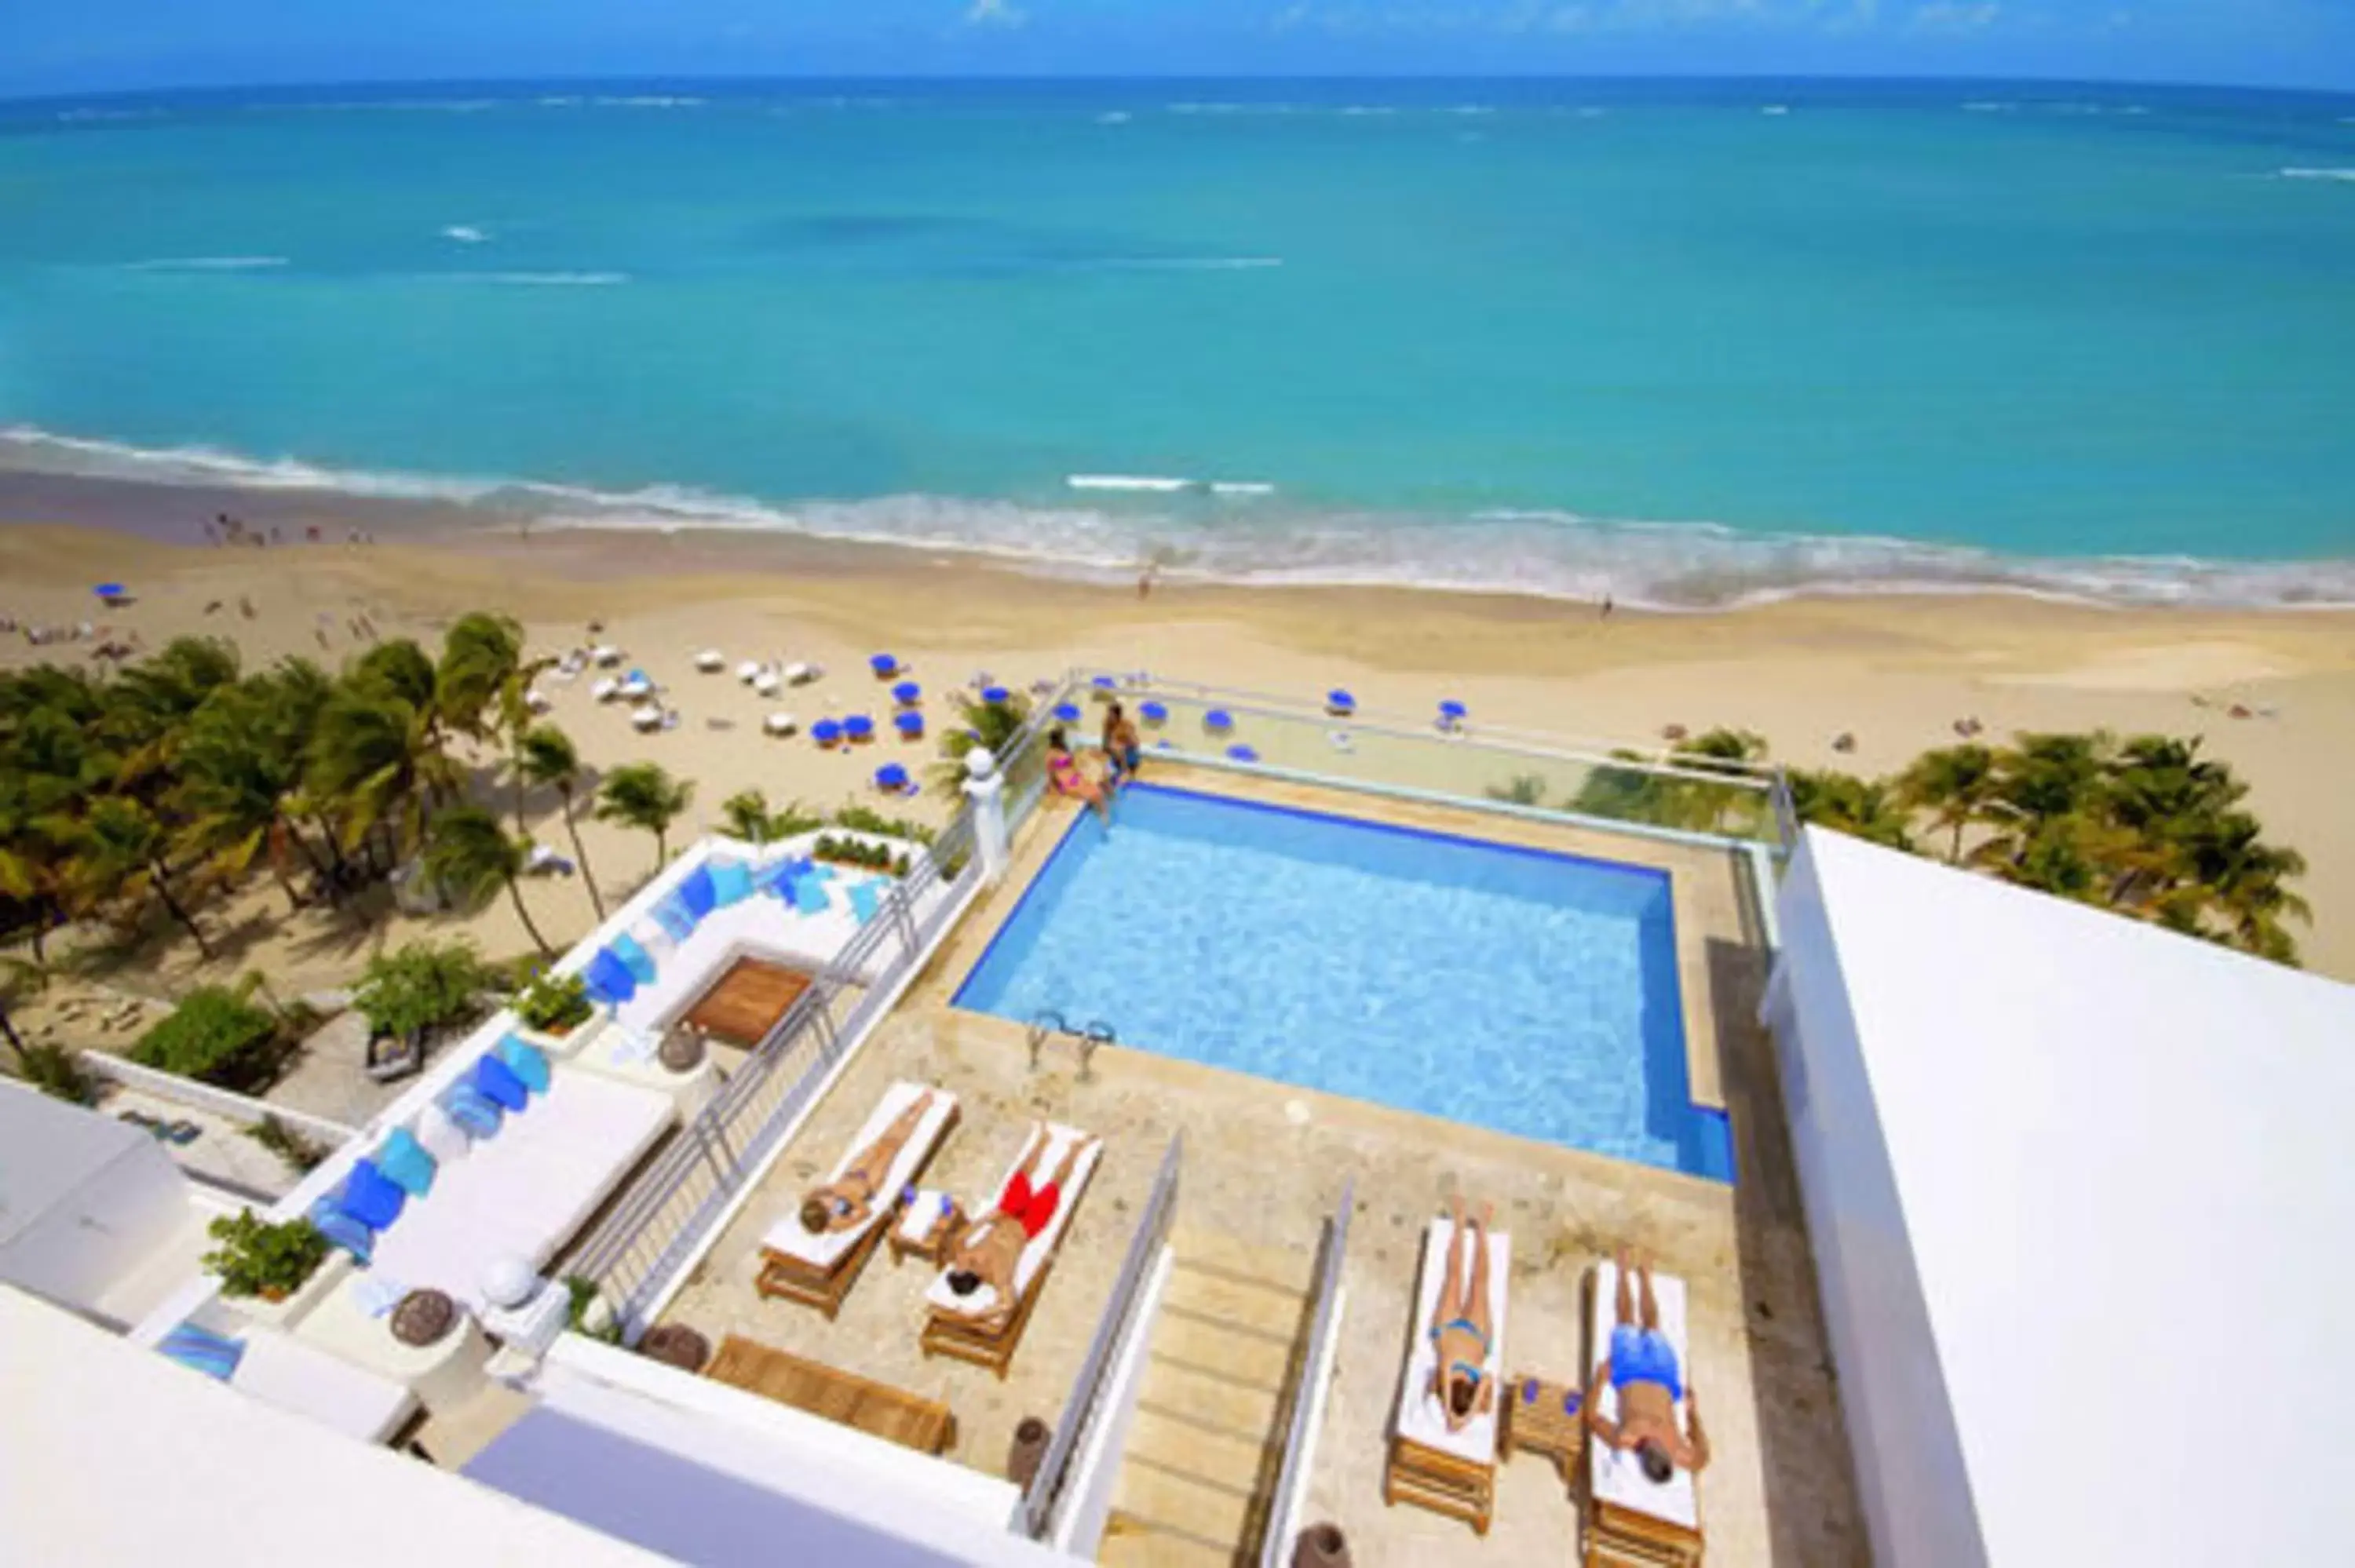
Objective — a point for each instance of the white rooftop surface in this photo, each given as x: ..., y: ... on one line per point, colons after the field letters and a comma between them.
x: 110, y: 1452
x: 50, y: 1151
x: 2122, y: 1159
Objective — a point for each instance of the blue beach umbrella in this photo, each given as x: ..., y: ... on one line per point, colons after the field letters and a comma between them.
x: 1067, y: 712
x: 1218, y: 720
x: 1155, y: 712
x: 1104, y: 683
x: 911, y: 725
x: 907, y: 693
x: 859, y: 726
x: 110, y: 592
x: 1241, y: 753
x: 996, y: 697
x: 1452, y: 714
x: 826, y: 732
x: 885, y: 665
x: 1340, y: 703
x: 891, y: 778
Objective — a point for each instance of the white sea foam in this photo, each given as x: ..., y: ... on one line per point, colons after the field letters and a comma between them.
x: 1776, y: 111
x: 79, y: 116
x: 210, y: 264
x: 1536, y: 553
x: 464, y: 234
x: 1190, y: 263
x: 1114, y: 117
x: 2345, y: 175
x: 542, y: 280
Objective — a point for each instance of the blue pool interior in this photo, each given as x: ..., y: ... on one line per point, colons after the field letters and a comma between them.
x: 1513, y: 989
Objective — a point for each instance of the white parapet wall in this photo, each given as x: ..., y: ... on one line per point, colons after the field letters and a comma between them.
x: 1095, y: 1473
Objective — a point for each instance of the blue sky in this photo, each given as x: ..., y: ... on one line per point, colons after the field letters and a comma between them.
x: 76, y: 46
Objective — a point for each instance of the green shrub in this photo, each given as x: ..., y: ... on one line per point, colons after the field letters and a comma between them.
x: 868, y: 820
x: 582, y: 1291
x: 425, y: 985
x: 214, y: 1037
x: 852, y: 852
x: 258, y: 1258
x: 553, y: 1004
x: 298, y: 1152
x: 53, y: 1070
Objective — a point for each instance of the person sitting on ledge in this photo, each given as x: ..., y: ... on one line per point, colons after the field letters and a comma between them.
x: 1642, y: 1368
x: 984, y: 1257
x: 1064, y: 772
x: 849, y: 1199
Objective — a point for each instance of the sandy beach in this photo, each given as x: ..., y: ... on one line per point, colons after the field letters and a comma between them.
x: 1896, y: 674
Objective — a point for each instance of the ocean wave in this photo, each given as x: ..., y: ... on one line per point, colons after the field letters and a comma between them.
x: 540, y: 279
x: 1115, y: 117
x: 465, y: 233
x: 1990, y: 106
x: 1188, y: 264
x: 2347, y: 175
x: 84, y: 116
x: 1776, y: 111
x: 209, y: 264
x: 1529, y: 551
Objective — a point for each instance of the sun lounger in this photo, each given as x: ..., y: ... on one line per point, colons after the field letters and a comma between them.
x: 951, y: 1326
x: 1634, y: 1520
x: 1453, y: 1473
x: 818, y: 1271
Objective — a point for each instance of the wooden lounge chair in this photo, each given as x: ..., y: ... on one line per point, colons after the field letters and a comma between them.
x: 818, y: 1271
x: 1631, y: 1519
x: 1453, y: 1473
x: 951, y: 1326
x: 926, y: 1425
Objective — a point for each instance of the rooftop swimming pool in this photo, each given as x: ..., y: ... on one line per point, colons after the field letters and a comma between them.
x: 1530, y: 992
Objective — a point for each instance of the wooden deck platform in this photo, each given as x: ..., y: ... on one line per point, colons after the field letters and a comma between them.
x: 745, y: 1003
x: 866, y: 1406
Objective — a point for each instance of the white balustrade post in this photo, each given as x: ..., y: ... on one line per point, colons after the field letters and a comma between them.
x: 985, y: 786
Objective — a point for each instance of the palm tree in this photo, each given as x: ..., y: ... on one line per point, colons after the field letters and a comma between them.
x: 120, y: 850
x: 373, y: 763
x: 990, y: 726
x: 479, y: 653
x: 641, y: 795
x: 2241, y: 878
x: 1861, y: 808
x: 240, y: 761
x: 471, y: 855
x: 546, y: 756
x: 1954, y: 784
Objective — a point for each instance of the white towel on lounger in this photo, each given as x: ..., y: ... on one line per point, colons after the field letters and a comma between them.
x: 789, y: 1237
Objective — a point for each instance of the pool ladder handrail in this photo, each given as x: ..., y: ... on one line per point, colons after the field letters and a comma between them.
x: 1047, y: 1020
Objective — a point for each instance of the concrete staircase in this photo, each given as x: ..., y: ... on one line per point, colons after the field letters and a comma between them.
x: 1199, y: 1468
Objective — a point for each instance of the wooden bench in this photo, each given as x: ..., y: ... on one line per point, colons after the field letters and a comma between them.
x: 924, y: 1424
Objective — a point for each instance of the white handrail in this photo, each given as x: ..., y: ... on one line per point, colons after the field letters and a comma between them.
x: 1299, y: 1446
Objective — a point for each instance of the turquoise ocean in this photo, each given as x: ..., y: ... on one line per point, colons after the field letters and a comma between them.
x: 1686, y: 343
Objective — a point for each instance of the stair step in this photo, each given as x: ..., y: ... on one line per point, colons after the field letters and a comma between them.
x: 1132, y: 1542
x: 1173, y: 1503
x: 1270, y: 1311
x: 1255, y: 1358
x: 1208, y: 1393
x: 1207, y: 1449
x: 1280, y: 1268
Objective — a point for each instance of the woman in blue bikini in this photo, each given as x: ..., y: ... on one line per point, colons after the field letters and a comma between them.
x: 1461, y: 1329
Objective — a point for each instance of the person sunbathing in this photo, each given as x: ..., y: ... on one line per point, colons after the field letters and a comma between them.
x: 1461, y: 1327
x: 984, y: 1257
x: 1064, y: 772
x: 849, y: 1199
x: 1642, y: 1369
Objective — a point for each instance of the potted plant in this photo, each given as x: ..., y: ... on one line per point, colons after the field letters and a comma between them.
x: 258, y: 1258
x: 553, y: 1005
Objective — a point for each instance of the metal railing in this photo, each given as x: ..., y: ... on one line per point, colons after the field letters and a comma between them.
x: 1035, y: 1514
x: 1275, y: 1539
x: 663, y: 1220
x: 1647, y: 788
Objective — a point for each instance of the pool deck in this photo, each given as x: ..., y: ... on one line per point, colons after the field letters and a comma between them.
x: 1265, y: 1164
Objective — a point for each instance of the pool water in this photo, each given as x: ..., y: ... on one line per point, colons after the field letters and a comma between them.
x: 1512, y: 988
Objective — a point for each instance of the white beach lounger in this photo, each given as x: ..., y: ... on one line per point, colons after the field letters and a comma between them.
x: 606, y: 655
x: 648, y: 718
x: 711, y: 660
x: 748, y: 671
x: 1453, y: 1473
x: 803, y: 674
x: 1662, y: 1519
x: 949, y: 1328
x: 766, y: 684
x: 780, y: 724
x: 604, y: 689
x: 818, y: 1271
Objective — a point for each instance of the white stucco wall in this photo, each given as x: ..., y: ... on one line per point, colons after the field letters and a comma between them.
x: 2084, y: 1184
x: 1912, y: 1481
x: 85, y: 1200
x: 1095, y: 1475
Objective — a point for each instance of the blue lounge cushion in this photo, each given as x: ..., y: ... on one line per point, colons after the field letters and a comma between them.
x: 608, y: 980
x: 371, y: 1196
x: 864, y: 897
x: 342, y: 1230
x: 809, y: 895
x: 215, y: 1355
x: 731, y: 882
x: 777, y: 881
x: 526, y: 1061
x: 695, y: 891
x: 497, y: 1082
x: 473, y: 1111
x: 634, y: 957
x: 672, y: 916
x: 404, y: 1160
